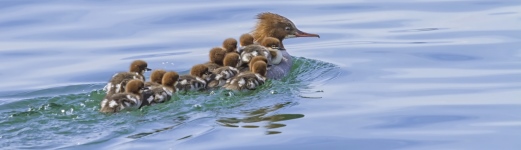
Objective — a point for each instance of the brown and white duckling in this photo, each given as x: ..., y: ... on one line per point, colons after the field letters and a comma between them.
x: 162, y: 92
x: 249, y: 80
x: 196, y: 80
x: 229, y: 70
x: 130, y: 99
x: 246, y: 39
x: 155, y: 78
x: 216, y: 56
x: 118, y: 82
x: 273, y: 46
x: 253, y: 50
x: 230, y: 45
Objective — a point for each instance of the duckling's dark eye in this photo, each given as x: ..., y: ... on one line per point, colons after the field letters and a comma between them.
x: 288, y: 28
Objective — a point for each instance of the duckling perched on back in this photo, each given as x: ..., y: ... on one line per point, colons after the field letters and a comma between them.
x: 163, y: 92
x: 229, y: 70
x: 216, y: 56
x: 196, y: 80
x: 155, y: 78
x: 249, y: 80
x: 230, y: 45
x: 118, y: 82
x: 119, y: 101
x: 273, y: 46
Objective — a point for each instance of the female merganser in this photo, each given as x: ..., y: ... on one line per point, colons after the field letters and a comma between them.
x: 229, y: 70
x: 119, y: 101
x: 279, y: 27
x: 163, y: 92
x: 119, y: 80
x: 249, y: 80
x: 216, y: 56
x: 230, y: 45
x: 196, y: 80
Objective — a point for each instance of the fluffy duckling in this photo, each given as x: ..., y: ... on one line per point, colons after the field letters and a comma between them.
x: 162, y: 92
x: 253, y: 50
x: 119, y: 101
x: 249, y: 80
x: 155, y: 78
x: 118, y: 82
x: 230, y: 45
x: 273, y: 46
x: 229, y: 70
x: 245, y: 40
x: 196, y: 80
x: 216, y: 56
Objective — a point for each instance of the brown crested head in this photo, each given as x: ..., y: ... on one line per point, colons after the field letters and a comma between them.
x: 255, y: 59
x: 259, y: 67
x: 246, y: 39
x: 199, y: 70
x: 277, y: 26
x: 217, y: 55
x: 271, y: 42
x: 157, y: 75
x: 170, y: 78
x: 139, y: 66
x: 230, y: 45
x: 231, y: 59
x: 134, y: 86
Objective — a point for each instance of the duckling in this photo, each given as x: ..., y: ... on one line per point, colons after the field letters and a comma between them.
x: 245, y: 40
x: 216, y: 56
x: 162, y: 92
x: 248, y: 80
x: 196, y: 80
x: 273, y: 46
x: 130, y: 99
x: 253, y: 50
x: 229, y: 70
x: 230, y: 45
x: 118, y: 82
x: 155, y: 78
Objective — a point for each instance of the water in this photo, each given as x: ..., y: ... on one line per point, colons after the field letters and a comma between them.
x: 384, y: 75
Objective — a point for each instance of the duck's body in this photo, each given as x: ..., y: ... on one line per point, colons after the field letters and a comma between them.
x: 130, y: 99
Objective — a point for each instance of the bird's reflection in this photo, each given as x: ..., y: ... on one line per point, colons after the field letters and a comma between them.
x: 255, y: 116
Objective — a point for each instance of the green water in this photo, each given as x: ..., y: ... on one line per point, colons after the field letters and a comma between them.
x: 65, y: 117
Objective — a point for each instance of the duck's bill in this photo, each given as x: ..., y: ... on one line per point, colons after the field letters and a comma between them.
x: 148, y: 69
x: 304, y: 34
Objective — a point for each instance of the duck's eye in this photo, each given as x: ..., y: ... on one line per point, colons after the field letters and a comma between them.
x: 288, y: 28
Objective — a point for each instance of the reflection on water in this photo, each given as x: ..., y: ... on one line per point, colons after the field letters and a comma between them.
x: 255, y: 117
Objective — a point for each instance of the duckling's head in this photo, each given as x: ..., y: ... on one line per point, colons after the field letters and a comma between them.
x: 277, y: 26
x: 230, y: 45
x: 157, y: 75
x: 199, y: 70
x: 135, y: 86
x: 217, y: 55
x: 231, y: 59
x: 139, y: 66
x: 170, y: 78
x: 246, y: 39
x: 259, y: 67
x: 255, y: 59
x: 271, y: 42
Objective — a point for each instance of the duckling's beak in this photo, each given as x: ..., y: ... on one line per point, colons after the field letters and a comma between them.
x: 148, y: 69
x: 304, y: 34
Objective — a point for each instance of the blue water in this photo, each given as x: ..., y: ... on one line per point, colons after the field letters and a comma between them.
x: 397, y: 74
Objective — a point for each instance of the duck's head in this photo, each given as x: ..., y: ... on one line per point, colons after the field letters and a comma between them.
x: 201, y: 71
x: 259, y: 67
x: 217, y: 55
x: 139, y: 66
x: 230, y: 45
x: 246, y: 39
x: 135, y: 86
x: 170, y: 78
x: 277, y: 26
x: 271, y: 42
x: 255, y: 59
x: 231, y: 59
x: 157, y: 76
